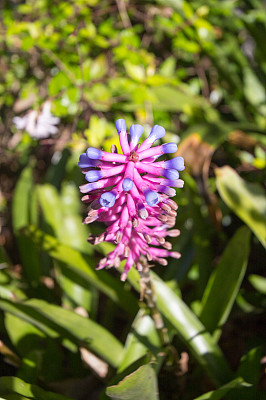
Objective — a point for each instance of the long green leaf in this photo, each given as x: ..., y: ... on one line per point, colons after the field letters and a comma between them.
x: 10, y: 385
x: 218, y: 394
x: 20, y: 218
x: 60, y: 322
x: 189, y: 328
x: 141, y: 384
x: 192, y: 332
x: 61, y: 215
x: 224, y: 283
x: 247, y: 200
x: 81, y: 265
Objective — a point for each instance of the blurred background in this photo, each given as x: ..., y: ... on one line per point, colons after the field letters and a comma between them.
x: 68, y: 71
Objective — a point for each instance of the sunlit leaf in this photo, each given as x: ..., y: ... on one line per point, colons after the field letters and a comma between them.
x: 56, y: 321
x: 141, y: 384
x: 189, y: 328
x: 218, y: 394
x: 246, y: 199
x: 192, y: 332
x: 258, y: 282
x: 10, y: 385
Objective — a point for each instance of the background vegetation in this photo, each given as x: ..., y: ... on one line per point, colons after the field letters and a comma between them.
x: 198, y: 69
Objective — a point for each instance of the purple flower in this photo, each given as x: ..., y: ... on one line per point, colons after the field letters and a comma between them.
x: 130, y: 193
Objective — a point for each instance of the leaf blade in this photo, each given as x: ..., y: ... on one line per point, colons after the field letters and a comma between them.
x: 224, y: 283
x: 246, y: 199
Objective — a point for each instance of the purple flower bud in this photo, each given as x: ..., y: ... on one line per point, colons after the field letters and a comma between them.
x: 175, y: 163
x: 94, y: 154
x: 93, y: 176
x: 152, y: 198
x: 135, y: 133
x: 157, y: 132
x: 171, y: 174
x: 167, y: 190
x: 121, y: 125
x: 85, y: 162
x: 142, y: 212
x: 169, y: 148
x: 127, y: 184
x: 107, y: 199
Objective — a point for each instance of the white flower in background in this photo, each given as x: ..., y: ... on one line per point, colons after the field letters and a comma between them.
x: 39, y: 126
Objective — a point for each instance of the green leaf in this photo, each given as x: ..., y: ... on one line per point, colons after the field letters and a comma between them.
x: 246, y: 199
x: 254, y: 90
x: 21, y: 217
x: 23, y: 335
x: 51, y: 206
x: 192, y: 332
x: 83, y: 266
x: 135, y: 72
x: 169, y: 98
x: 57, y: 321
x: 141, y: 384
x: 61, y: 215
x: 258, y: 282
x: 218, y: 394
x: 21, y: 204
x: 250, y: 371
x: 142, y: 339
x: 224, y: 283
x: 189, y: 328
x: 10, y: 385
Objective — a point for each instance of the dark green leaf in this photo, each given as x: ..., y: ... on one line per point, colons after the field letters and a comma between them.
x: 225, y: 281
x: 218, y: 394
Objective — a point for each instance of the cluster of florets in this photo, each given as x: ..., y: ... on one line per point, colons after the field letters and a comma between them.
x: 130, y: 193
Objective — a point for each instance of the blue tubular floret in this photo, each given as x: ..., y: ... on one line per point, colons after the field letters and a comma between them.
x: 135, y: 133
x: 169, y: 148
x: 175, y: 163
x: 157, y: 132
x: 107, y: 199
x: 94, y: 154
x: 127, y: 184
x: 93, y: 176
x: 171, y: 174
x: 152, y: 198
x: 86, y: 162
x: 121, y: 125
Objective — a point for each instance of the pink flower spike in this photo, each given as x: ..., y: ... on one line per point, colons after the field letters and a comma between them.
x: 131, y: 193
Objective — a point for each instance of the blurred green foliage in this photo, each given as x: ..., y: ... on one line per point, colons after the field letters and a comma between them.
x: 199, y: 69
